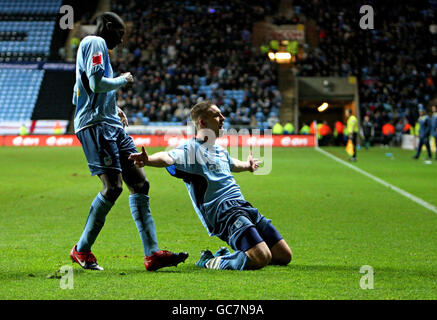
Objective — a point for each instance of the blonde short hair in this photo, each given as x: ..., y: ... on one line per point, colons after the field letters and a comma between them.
x: 198, y: 110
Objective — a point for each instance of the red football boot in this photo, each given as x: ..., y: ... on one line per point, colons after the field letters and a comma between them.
x: 164, y: 258
x: 85, y: 259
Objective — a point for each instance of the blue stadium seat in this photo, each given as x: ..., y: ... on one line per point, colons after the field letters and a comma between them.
x: 37, y: 41
x: 30, y: 7
x: 19, y: 92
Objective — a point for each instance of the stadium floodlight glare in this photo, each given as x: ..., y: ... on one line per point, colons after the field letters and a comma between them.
x: 283, y: 57
x: 323, y: 107
x: 280, y: 57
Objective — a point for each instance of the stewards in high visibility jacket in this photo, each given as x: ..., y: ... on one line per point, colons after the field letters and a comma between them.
x: 23, y: 130
x: 288, y: 128
x: 278, y: 129
x: 352, y: 129
x: 305, y: 129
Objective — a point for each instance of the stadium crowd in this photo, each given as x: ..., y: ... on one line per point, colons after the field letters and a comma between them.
x: 183, y: 51
x: 395, y: 62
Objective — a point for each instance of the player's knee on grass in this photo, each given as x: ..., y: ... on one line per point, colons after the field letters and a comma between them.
x: 257, y: 251
x: 259, y: 256
x: 281, y: 253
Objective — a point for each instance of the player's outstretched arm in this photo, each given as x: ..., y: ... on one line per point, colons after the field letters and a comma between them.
x: 159, y: 159
x: 251, y: 164
x: 99, y: 83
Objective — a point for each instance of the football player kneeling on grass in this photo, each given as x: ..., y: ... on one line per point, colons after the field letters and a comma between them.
x: 206, y: 168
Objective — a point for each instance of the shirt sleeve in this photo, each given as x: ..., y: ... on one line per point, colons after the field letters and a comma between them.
x: 183, y: 160
x: 98, y: 83
x: 74, y: 99
x: 230, y: 161
x: 94, y: 55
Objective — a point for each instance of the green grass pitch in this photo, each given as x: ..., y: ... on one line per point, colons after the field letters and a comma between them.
x: 335, y: 220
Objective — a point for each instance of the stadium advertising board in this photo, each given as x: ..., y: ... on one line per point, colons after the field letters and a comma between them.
x: 163, y: 141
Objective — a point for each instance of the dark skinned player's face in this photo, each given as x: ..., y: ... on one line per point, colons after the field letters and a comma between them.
x: 115, y: 36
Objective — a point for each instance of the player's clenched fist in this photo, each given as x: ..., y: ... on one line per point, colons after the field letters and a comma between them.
x: 128, y: 76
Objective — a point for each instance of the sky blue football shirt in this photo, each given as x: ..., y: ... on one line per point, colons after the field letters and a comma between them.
x: 91, y: 107
x: 206, y: 171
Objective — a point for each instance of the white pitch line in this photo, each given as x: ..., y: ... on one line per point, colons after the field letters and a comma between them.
x: 406, y: 194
